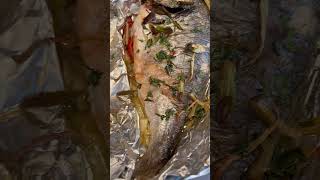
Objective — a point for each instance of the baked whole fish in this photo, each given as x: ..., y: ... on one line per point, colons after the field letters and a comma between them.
x: 166, y: 51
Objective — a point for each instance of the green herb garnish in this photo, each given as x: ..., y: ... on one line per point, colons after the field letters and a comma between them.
x: 167, y: 115
x: 199, y: 113
x: 181, y: 80
x: 161, y: 116
x: 156, y: 39
x: 161, y: 55
x: 169, y: 67
x: 149, y: 43
x: 161, y: 30
x: 149, y: 96
x: 168, y: 21
x: 164, y: 30
x: 174, y: 90
x: 155, y: 82
x: 163, y: 40
x: 176, y: 24
x: 196, y: 30
x: 181, y: 77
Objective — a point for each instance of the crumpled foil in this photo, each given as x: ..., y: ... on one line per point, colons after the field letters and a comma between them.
x: 34, y: 143
x: 193, y: 153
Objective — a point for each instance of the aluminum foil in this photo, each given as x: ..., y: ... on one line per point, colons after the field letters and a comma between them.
x: 33, y: 140
x: 193, y: 154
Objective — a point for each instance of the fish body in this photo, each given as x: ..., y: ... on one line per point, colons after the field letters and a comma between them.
x: 161, y: 106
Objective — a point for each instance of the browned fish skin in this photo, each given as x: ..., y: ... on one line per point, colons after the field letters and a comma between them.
x: 164, y: 134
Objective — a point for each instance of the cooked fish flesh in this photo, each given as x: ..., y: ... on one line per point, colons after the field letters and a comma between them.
x: 166, y: 52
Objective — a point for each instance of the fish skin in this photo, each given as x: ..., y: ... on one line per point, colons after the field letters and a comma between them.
x: 163, y: 135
